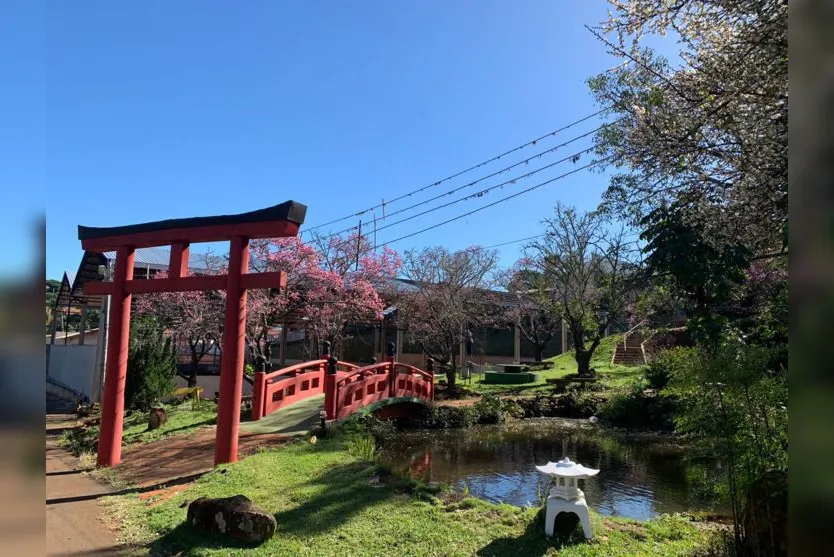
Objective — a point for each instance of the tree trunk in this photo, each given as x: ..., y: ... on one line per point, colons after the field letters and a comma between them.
x: 192, y: 376
x: 451, y: 377
x: 583, y: 363
x: 539, y: 352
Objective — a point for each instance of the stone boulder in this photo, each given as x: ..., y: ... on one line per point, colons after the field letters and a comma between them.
x: 766, y: 516
x: 157, y: 418
x: 235, y: 517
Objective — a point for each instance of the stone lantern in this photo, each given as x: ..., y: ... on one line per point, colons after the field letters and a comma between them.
x: 565, y: 495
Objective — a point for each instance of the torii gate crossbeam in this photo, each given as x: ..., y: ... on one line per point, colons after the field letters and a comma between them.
x: 278, y: 221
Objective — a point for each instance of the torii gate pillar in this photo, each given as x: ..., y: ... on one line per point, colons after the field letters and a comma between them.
x: 278, y: 221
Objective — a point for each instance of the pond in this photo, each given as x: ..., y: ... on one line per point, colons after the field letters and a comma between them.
x: 640, y: 476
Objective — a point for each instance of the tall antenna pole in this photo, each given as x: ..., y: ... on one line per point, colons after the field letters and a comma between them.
x: 358, y: 244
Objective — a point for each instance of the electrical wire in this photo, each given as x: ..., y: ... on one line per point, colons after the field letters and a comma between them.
x: 460, y: 173
x: 502, y: 200
x: 484, y: 191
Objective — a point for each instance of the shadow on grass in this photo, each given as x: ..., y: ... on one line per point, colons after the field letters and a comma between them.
x: 533, y: 542
x: 183, y: 538
x: 344, y: 492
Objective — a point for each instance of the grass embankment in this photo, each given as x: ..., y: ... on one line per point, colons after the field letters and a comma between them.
x: 327, y: 502
x: 609, y: 374
x: 182, y: 419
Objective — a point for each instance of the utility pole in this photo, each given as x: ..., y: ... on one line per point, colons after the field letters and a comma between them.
x: 101, y: 347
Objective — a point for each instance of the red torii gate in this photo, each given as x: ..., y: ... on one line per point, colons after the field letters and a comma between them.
x: 277, y: 221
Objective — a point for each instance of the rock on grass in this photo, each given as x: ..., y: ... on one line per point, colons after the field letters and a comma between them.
x: 235, y: 517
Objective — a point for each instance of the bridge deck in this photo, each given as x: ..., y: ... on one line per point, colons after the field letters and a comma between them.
x: 296, y: 419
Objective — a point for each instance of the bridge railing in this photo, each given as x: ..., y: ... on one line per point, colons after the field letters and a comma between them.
x: 346, y: 387
x: 275, y: 390
x: 346, y: 393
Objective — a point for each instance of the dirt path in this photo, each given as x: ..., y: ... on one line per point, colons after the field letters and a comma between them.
x: 73, y: 525
x: 73, y: 513
x: 182, y: 459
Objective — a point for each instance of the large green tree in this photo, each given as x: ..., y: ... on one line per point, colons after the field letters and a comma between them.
x: 592, y: 275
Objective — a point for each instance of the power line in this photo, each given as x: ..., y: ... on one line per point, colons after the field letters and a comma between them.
x: 471, y: 168
x: 487, y: 190
x: 573, y: 156
x: 522, y: 192
x: 514, y: 241
x: 502, y: 244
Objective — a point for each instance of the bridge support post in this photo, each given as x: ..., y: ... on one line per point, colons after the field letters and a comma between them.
x: 430, y: 369
x: 392, y: 378
x: 330, y: 388
x: 258, y: 395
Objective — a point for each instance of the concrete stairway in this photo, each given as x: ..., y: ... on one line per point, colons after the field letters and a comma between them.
x: 628, y: 351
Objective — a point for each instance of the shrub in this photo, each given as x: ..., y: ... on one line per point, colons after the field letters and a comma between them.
x: 489, y: 410
x: 448, y: 417
x: 367, y: 425
x: 631, y: 406
x: 513, y: 409
x: 151, y: 366
x: 578, y: 404
x: 668, y: 363
x: 249, y: 370
x: 734, y: 405
x: 363, y: 447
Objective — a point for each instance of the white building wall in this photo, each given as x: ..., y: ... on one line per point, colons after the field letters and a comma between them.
x: 73, y: 365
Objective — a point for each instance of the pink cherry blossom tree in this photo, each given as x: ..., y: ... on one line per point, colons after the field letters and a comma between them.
x: 331, y: 281
x: 195, y: 318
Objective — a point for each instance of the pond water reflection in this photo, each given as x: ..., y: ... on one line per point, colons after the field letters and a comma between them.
x: 640, y: 477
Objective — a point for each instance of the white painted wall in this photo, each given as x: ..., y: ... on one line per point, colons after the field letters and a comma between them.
x: 73, y: 365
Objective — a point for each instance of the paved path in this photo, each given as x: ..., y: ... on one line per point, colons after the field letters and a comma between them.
x: 73, y: 513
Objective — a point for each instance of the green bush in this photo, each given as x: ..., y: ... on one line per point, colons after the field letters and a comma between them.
x: 512, y: 409
x: 489, y: 410
x: 151, y: 366
x: 367, y: 424
x: 249, y: 370
x: 668, y: 363
x: 733, y: 404
x: 363, y: 447
x: 578, y: 404
x: 448, y: 417
x: 632, y: 407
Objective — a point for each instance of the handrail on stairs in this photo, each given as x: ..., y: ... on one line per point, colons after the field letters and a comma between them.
x: 643, y: 346
x: 630, y: 331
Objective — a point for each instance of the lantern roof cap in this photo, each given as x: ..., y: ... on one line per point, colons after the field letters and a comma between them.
x: 567, y: 468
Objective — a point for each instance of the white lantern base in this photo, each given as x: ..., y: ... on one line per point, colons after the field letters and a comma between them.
x: 556, y: 505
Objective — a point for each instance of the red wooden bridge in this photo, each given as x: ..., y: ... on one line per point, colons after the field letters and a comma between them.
x: 388, y: 389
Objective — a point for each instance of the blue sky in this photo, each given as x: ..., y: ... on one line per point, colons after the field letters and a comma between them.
x: 165, y: 109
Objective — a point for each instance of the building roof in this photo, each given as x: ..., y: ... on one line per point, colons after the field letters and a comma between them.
x: 145, y: 256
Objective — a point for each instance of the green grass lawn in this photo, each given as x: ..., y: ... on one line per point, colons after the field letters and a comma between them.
x: 325, y: 504
x: 182, y: 418
x: 565, y: 364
